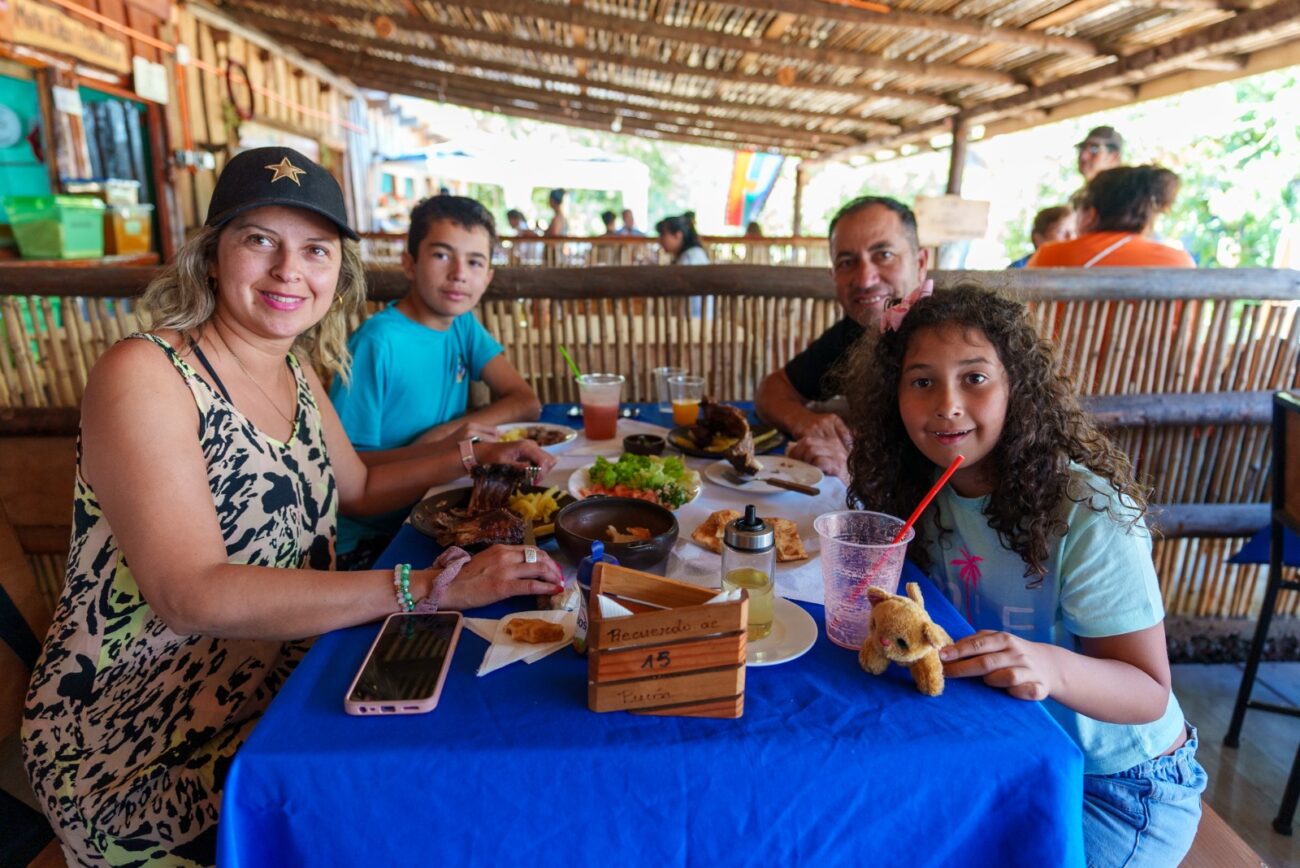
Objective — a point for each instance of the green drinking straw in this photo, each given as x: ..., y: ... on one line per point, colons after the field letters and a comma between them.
x: 568, y: 358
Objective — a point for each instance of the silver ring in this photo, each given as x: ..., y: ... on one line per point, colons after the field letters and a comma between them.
x: 530, y: 555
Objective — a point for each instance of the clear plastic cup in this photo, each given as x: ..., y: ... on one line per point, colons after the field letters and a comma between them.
x: 599, y: 395
x: 857, y: 552
x: 686, y: 392
x: 661, y: 386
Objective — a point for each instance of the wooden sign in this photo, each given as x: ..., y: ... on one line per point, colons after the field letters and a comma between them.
x: 150, y: 80
x: 677, y: 654
x: 44, y: 27
x: 940, y: 219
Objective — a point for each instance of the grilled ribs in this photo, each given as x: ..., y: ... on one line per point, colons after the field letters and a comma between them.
x: 486, y: 519
x: 497, y: 526
x: 715, y: 419
x: 493, y: 485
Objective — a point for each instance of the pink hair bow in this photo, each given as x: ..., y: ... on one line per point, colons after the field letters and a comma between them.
x: 892, y: 318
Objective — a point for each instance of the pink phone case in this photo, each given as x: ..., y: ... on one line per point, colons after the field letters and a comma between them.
x: 403, y: 706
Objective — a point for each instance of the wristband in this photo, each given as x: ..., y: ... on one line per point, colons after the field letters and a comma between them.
x: 467, y: 454
x: 450, y: 562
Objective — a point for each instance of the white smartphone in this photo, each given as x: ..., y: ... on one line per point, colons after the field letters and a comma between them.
x: 406, y: 665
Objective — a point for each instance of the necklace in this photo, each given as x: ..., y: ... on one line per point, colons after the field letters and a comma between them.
x: 253, y: 379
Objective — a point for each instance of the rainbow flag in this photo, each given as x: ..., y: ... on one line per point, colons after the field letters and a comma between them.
x: 752, y: 177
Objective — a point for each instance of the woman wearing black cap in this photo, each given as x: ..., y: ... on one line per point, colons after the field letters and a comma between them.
x: 211, y: 469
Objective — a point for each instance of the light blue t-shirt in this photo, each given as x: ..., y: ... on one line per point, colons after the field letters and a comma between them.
x: 1100, y: 582
x: 406, y: 378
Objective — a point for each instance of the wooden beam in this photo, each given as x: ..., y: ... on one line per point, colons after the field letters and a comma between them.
x: 799, y: 179
x: 1179, y: 53
x: 441, y: 81
x: 1179, y: 520
x: 629, y: 126
x: 331, y: 46
x: 957, y: 159
x: 247, y: 9
x: 1214, y: 408
x: 557, y: 109
x: 899, y: 19
x: 1219, y: 64
x: 782, y: 281
x: 783, y: 52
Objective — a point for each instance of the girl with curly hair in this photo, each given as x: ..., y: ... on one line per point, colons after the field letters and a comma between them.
x: 1040, y: 541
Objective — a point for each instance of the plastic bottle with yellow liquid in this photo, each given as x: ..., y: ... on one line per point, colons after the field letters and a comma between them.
x: 749, y: 562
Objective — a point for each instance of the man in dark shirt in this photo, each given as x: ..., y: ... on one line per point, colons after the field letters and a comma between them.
x: 875, y: 257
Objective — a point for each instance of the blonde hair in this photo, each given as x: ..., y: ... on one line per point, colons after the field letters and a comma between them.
x: 182, y: 297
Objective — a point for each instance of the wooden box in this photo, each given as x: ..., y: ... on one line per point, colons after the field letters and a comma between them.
x: 673, y: 656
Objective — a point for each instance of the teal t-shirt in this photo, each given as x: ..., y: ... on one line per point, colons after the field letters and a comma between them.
x: 1100, y: 582
x: 406, y: 378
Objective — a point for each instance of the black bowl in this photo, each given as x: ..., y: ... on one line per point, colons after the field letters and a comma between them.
x: 644, y: 444
x: 579, y: 524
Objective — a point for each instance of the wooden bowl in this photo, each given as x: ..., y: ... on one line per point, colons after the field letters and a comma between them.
x: 579, y: 524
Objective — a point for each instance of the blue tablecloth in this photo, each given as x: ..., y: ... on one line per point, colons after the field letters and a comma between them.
x: 828, y: 765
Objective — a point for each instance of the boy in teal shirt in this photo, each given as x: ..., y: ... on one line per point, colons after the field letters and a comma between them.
x: 413, y: 361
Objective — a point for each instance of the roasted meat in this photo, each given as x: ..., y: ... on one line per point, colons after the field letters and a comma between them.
x: 493, y: 485
x: 729, y: 422
x: 486, y: 519
x: 490, y: 528
x: 715, y: 419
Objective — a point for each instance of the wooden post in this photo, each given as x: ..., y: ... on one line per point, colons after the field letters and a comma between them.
x: 797, y: 229
x: 958, y: 162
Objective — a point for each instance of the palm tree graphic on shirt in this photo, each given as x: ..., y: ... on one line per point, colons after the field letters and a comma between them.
x: 969, y: 572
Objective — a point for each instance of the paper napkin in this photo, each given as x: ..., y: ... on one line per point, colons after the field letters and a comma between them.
x: 610, y: 608
x: 505, y: 650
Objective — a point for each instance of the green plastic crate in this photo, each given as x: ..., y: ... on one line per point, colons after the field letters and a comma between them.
x: 57, y: 227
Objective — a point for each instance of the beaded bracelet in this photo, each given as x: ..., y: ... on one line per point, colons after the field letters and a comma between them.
x: 402, y: 588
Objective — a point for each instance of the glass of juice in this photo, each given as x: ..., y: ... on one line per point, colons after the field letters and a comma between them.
x: 599, y: 394
x: 686, y: 391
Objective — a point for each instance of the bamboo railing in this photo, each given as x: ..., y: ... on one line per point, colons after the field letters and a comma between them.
x: 1178, y: 361
x: 380, y: 249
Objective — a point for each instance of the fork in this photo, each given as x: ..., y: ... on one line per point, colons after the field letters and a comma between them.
x: 735, y: 478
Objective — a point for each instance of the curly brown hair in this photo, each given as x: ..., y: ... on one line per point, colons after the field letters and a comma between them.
x: 1045, y: 429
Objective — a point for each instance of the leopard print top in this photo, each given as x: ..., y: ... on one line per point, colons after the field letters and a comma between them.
x: 129, y: 727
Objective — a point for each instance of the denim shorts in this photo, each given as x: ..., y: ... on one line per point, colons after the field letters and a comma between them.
x: 1146, y: 815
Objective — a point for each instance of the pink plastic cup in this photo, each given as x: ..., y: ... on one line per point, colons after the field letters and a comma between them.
x: 857, y: 551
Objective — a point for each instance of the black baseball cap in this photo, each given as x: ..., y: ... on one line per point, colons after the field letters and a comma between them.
x: 276, y: 176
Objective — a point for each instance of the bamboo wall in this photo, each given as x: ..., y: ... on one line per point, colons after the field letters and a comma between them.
x: 1174, y: 342
x: 287, y: 94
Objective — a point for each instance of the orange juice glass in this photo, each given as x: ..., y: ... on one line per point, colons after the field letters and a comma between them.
x: 685, y: 391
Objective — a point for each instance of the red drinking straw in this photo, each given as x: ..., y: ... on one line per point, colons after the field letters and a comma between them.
x: 911, y: 520
x: 929, y: 496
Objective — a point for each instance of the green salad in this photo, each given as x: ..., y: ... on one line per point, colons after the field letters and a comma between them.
x: 666, y: 478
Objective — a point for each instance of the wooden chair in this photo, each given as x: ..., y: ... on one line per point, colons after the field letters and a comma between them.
x: 1286, y: 514
x: 1217, y: 846
x: 37, y: 468
x: 24, y: 618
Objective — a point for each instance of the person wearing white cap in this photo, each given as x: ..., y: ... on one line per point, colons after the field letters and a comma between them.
x: 210, y: 472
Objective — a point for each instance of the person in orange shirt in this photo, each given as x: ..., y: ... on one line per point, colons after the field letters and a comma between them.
x: 1117, y: 215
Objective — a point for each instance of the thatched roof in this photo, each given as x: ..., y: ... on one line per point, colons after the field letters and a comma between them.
x: 806, y: 77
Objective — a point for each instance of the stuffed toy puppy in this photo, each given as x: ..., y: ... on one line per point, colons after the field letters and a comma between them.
x: 902, y: 631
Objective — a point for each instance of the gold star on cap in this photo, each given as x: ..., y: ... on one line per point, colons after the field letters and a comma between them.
x: 286, y: 169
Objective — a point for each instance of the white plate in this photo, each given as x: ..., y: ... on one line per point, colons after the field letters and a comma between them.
x: 580, y: 480
x: 773, y: 465
x: 569, y: 434
x: 793, y: 632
